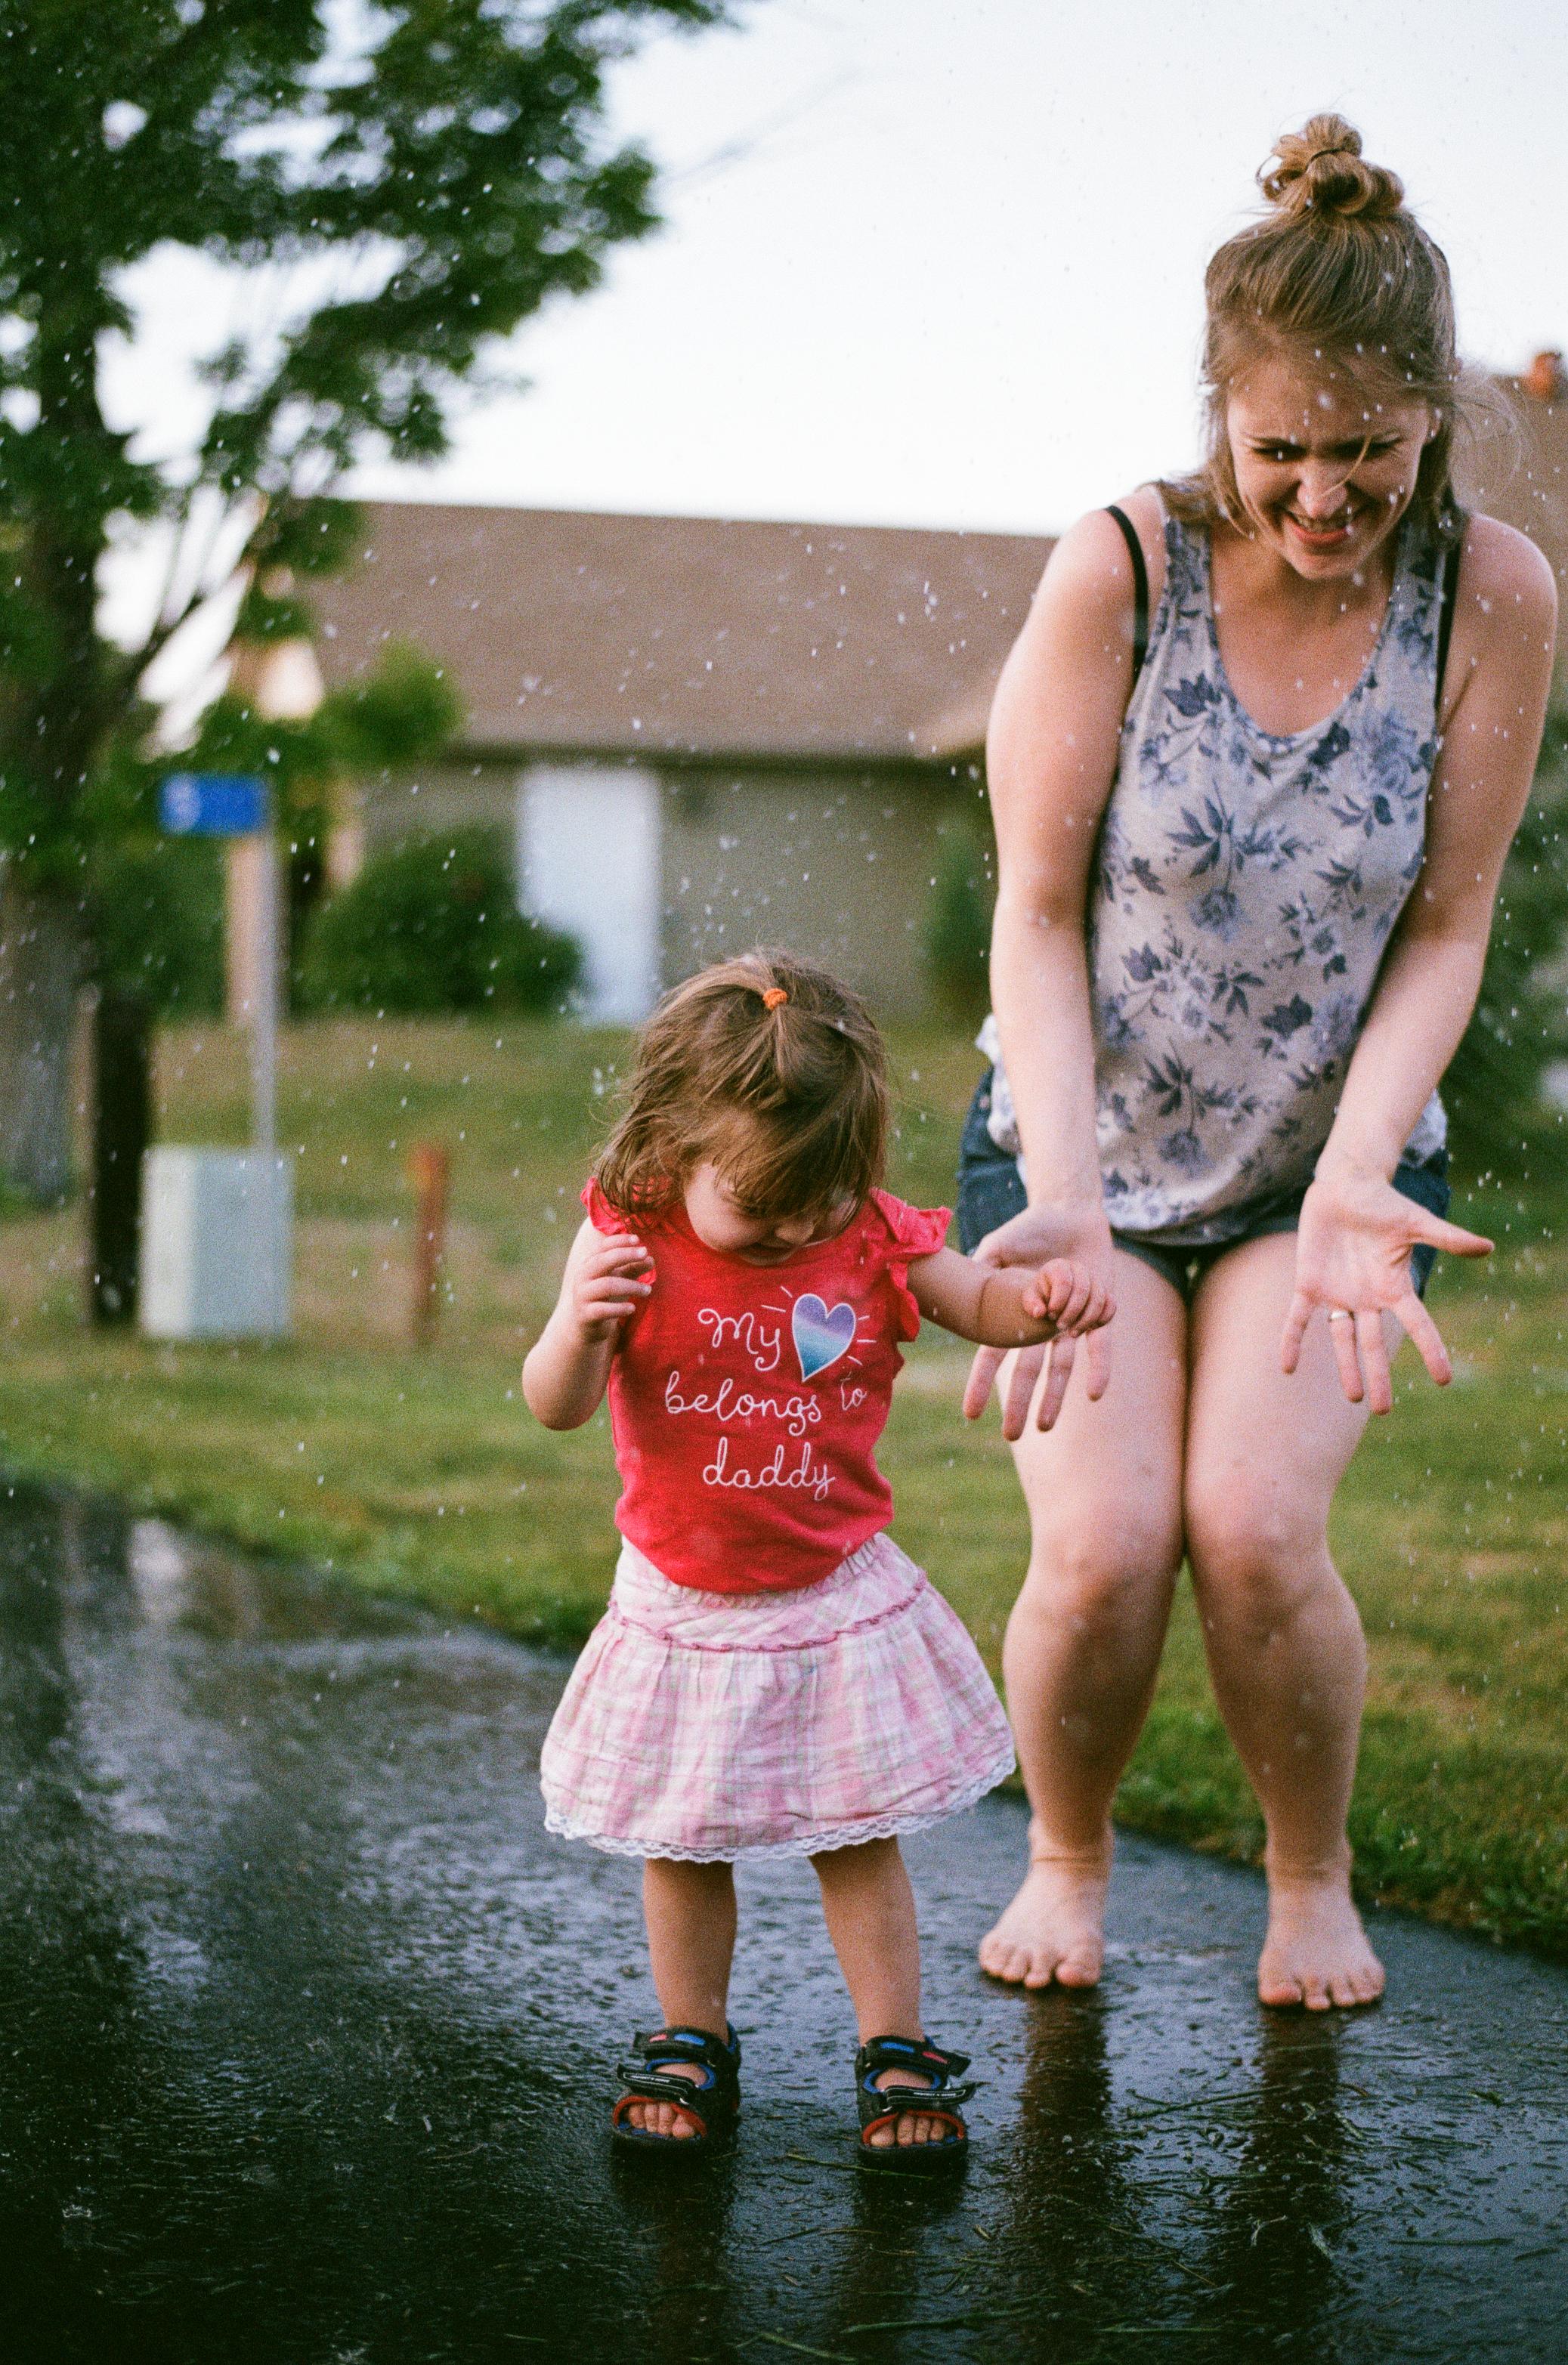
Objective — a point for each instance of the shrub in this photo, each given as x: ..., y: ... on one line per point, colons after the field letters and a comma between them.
x: 433, y: 925
x: 957, y: 923
x: 1493, y: 1086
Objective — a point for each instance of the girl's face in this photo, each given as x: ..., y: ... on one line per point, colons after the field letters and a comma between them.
x: 722, y: 1222
x: 1325, y: 473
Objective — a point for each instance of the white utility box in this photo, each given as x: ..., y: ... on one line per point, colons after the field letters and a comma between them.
x: 217, y: 1229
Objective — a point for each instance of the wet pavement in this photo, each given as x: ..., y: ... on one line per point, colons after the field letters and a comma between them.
x: 305, y: 2029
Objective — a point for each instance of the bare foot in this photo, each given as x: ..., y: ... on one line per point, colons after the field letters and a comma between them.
x: 1054, y: 1929
x: 1317, y: 1952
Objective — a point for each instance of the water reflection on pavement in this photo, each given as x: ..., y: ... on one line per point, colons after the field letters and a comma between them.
x: 307, y: 2029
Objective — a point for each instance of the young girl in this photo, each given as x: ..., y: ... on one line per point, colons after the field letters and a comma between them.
x: 773, y: 1675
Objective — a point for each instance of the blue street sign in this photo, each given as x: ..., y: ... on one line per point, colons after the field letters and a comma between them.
x: 212, y: 804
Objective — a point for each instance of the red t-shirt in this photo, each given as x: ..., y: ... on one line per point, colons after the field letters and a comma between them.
x: 746, y: 1400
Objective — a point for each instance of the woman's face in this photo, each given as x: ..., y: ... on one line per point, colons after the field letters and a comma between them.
x: 1324, y: 472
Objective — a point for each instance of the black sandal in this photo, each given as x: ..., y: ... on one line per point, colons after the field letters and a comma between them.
x: 882, y: 2106
x: 714, y: 2100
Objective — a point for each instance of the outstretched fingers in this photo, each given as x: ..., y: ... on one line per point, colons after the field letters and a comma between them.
x: 1372, y: 1348
x: 1083, y: 1309
x: 1299, y: 1315
x: 1059, y: 1357
x: 1097, y: 1359
x: 1022, y: 1379
x: 1452, y: 1239
x: 988, y: 1361
x: 1424, y: 1337
x: 1343, y: 1334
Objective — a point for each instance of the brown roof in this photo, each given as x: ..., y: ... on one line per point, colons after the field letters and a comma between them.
x: 571, y: 629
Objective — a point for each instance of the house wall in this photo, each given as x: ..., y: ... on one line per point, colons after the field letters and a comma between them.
x: 834, y: 862
x: 839, y: 864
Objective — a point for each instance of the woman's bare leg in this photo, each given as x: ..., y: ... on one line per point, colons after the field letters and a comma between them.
x: 690, y: 1910
x: 1103, y: 1489
x: 1264, y: 1456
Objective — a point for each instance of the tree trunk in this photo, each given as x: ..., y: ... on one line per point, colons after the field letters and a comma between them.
x: 41, y: 971
x: 122, y: 1128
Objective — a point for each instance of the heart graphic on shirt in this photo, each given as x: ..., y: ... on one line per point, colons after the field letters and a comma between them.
x: 822, y: 1334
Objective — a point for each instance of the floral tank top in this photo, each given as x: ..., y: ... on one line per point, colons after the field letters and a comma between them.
x: 1245, y: 887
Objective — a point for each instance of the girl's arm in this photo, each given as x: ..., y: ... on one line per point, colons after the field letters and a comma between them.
x: 1356, y: 1231
x: 1012, y: 1305
x: 568, y: 1369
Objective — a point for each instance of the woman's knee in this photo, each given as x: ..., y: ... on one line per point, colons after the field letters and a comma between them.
x: 1253, y: 1539
x: 1100, y: 1569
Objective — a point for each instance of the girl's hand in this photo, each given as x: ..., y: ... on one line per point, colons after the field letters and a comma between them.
x: 1352, y: 1261
x: 1048, y: 1236
x: 1069, y: 1296
x: 610, y: 1283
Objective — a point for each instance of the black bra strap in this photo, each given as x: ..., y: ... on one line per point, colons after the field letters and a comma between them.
x: 1446, y: 599
x: 1140, y: 586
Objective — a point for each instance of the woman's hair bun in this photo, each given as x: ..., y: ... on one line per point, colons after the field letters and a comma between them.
x: 1320, y: 169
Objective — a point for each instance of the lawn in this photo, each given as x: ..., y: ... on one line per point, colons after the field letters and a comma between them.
x: 420, y: 1472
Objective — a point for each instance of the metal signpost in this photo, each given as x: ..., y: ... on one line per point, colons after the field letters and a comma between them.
x: 216, y: 1237
x: 234, y: 804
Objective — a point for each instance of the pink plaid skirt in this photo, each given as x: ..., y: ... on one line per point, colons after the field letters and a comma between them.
x: 715, y: 1725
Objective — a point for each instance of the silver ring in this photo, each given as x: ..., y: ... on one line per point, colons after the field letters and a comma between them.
x: 1340, y: 1314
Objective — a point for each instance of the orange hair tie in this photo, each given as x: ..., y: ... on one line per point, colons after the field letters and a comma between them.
x: 773, y: 997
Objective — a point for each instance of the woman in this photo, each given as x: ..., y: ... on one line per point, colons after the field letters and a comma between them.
x: 1272, y: 732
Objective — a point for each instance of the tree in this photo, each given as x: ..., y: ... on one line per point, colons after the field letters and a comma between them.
x: 1520, y: 1026
x: 402, y: 183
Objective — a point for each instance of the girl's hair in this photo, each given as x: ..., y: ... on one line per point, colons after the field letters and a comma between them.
x: 1339, y: 275
x: 769, y: 1067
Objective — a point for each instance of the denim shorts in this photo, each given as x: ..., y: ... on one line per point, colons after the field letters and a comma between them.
x: 990, y: 1190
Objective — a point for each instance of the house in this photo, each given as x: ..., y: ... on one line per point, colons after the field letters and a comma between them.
x: 702, y: 733
x: 698, y: 733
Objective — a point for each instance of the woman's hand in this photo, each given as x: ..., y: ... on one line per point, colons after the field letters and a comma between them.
x: 1352, y: 1260
x: 1044, y: 1236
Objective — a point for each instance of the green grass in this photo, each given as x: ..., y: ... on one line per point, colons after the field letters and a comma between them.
x: 420, y: 1472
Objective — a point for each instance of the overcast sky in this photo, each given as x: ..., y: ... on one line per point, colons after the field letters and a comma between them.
x: 952, y: 273
x: 929, y: 264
